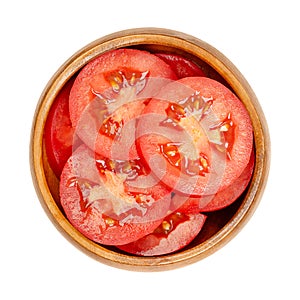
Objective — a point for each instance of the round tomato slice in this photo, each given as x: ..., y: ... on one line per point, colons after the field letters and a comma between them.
x: 219, y: 132
x: 182, y: 67
x: 96, y: 201
x: 175, y: 232
x: 109, y: 94
x: 59, y: 133
x: 219, y: 201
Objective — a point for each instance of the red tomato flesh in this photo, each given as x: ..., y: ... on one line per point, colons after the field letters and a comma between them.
x: 219, y: 129
x: 164, y: 148
x: 175, y: 232
x: 219, y: 201
x: 59, y: 133
x: 96, y: 202
x: 181, y: 66
x: 109, y: 93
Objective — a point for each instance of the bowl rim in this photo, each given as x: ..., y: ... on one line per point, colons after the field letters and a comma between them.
x: 211, y: 56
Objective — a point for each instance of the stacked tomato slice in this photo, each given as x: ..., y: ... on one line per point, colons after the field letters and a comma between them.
x: 144, y: 145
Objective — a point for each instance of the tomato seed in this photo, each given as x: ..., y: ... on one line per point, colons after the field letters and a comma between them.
x: 166, y: 226
x: 109, y: 221
x: 227, y: 128
x: 192, y: 167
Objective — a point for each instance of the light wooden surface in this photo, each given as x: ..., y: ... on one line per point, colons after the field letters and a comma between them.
x: 152, y: 39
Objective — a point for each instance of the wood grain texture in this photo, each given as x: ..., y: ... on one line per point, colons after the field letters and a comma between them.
x: 153, y: 39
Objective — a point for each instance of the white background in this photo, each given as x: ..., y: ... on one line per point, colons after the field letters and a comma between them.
x: 261, y: 38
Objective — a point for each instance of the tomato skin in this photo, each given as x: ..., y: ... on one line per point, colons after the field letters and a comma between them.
x: 91, y: 219
x: 107, y: 77
x: 59, y: 133
x: 183, y: 67
x: 220, y: 200
x: 157, y: 243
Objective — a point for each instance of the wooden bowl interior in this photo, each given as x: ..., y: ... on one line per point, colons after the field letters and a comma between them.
x: 221, y: 225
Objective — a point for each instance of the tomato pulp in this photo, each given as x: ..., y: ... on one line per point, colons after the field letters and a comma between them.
x: 218, y: 201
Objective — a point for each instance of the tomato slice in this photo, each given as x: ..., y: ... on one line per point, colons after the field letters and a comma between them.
x: 109, y: 94
x: 196, y: 135
x: 175, y: 232
x: 215, y: 202
x: 182, y: 67
x: 59, y: 133
x: 96, y: 200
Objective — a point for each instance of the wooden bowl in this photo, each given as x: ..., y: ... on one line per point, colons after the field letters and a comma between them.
x: 220, y: 226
